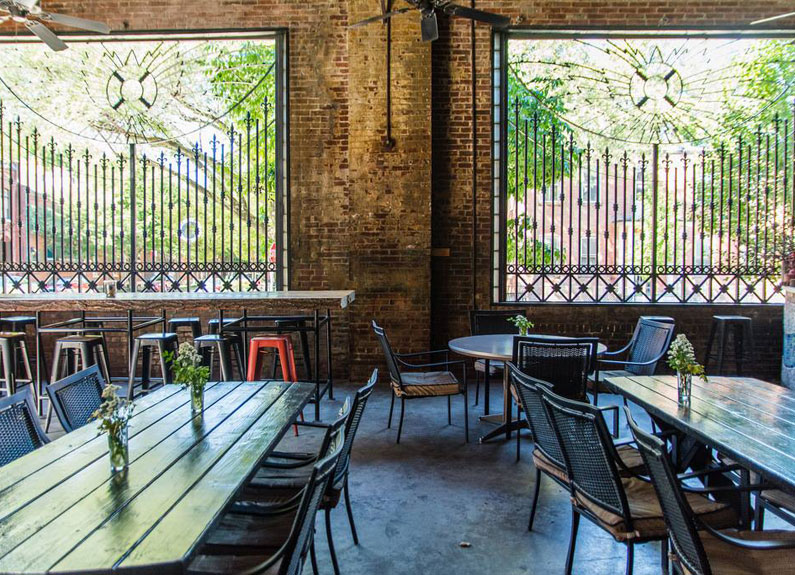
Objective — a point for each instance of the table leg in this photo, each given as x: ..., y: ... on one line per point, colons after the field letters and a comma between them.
x: 508, y: 424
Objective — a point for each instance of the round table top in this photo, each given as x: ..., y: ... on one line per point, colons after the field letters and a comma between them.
x: 498, y: 346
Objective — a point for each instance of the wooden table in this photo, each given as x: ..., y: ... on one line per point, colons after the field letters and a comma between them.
x: 497, y: 347
x: 62, y: 511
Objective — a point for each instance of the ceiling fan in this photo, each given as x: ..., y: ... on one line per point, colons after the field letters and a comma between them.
x: 29, y: 13
x: 429, y: 9
x: 772, y: 18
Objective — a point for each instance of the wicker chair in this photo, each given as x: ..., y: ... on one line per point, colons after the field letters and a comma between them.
x: 626, y: 507
x: 489, y: 322
x: 76, y: 397
x: 272, y: 543
x: 699, y: 548
x: 647, y: 347
x: 20, y: 431
x: 420, y: 384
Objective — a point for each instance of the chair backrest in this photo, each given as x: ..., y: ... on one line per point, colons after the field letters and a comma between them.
x: 297, y: 545
x: 564, y: 363
x: 391, y: 360
x: 527, y: 388
x: 650, y: 341
x: 676, y: 510
x: 20, y: 432
x: 76, y: 397
x: 489, y: 322
x: 589, y: 453
x: 352, y: 426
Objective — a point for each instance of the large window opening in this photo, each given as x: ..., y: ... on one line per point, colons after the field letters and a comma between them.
x: 643, y: 168
x: 156, y: 161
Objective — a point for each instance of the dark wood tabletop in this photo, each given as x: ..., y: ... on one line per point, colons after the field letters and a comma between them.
x: 61, y: 510
x: 749, y: 420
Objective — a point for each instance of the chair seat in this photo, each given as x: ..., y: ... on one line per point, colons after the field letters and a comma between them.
x: 780, y: 498
x: 647, y: 516
x: 495, y: 366
x: 727, y: 559
x: 16, y: 335
x: 88, y: 338
x: 157, y: 336
x: 211, y: 338
x: 184, y: 321
x: 630, y: 456
x: 19, y: 319
x: 427, y: 384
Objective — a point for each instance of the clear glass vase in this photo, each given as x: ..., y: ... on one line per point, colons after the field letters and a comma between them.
x: 684, y: 383
x: 118, y: 450
x: 197, y: 398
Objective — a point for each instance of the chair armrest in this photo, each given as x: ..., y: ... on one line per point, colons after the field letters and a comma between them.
x: 702, y: 472
x: 435, y: 364
x: 615, y: 416
x: 421, y: 353
x: 620, y: 362
x: 618, y: 351
x: 727, y: 488
x: 760, y: 545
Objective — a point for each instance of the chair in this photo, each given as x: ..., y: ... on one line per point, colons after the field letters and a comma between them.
x: 76, y: 397
x: 779, y: 501
x: 699, y: 547
x: 194, y: 324
x: 20, y: 431
x: 275, y: 543
x: 740, y: 329
x: 13, y: 348
x: 162, y: 343
x: 420, y: 384
x: 489, y: 322
x: 626, y: 507
x: 647, y: 347
x: 283, y: 344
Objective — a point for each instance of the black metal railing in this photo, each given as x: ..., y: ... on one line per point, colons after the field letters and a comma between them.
x: 151, y: 219
x: 655, y: 224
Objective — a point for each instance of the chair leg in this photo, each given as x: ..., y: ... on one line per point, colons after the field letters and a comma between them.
x: 536, y: 491
x: 331, y: 542
x: 664, y: 566
x: 400, y: 425
x: 630, y: 557
x: 224, y: 361
x: 466, y: 412
x: 449, y: 413
x: 518, y: 434
x: 391, y: 407
x: 313, y: 558
x: 133, y: 362
x: 575, y: 524
x: 347, y: 492
x: 759, y: 514
x: 9, y: 367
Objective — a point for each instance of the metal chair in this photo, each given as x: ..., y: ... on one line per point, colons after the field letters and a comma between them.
x: 76, y: 397
x: 489, y: 322
x: 421, y: 384
x: 647, y: 347
x: 626, y: 507
x: 20, y: 431
x: 700, y: 548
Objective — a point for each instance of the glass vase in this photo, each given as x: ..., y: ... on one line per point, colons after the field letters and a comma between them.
x: 684, y: 383
x: 197, y: 399
x: 118, y: 450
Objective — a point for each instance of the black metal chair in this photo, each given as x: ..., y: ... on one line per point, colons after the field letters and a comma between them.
x: 408, y: 385
x: 647, y: 347
x: 700, y: 548
x: 778, y: 501
x: 489, y: 322
x: 20, y: 431
x: 76, y: 397
x: 626, y: 507
x: 271, y: 543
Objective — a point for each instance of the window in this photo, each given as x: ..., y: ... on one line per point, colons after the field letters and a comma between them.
x: 589, y: 251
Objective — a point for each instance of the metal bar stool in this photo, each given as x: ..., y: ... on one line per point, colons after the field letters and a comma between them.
x: 210, y: 344
x: 296, y: 324
x: 283, y: 344
x: 12, y: 347
x: 192, y: 323
x: 144, y: 344
x: 235, y: 340
x: 740, y: 329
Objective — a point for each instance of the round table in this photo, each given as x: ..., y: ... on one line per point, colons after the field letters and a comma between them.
x: 498, y: 347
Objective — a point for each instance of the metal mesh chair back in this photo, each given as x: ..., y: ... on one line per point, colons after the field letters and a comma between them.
x: 650, y: 341
x: 676, y: 510
x: 391, y: 361
x: 20, y: 432
x: 490, y: 322
x: 563, y: 363
x: 76, y: 397
x: 297, y: 544
x: 589, y: 453
x: 352, y: 426
x: 537, y: 418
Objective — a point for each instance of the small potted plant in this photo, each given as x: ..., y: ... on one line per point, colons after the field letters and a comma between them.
x: 521, y: 321
x: 114, y: 415
x: 682, y: 359
x: 189, y: 372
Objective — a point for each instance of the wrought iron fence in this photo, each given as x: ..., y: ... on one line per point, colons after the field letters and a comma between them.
x: 150, y: 219
x: 655, y: 224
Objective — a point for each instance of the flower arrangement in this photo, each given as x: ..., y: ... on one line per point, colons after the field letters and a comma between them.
x: 113, y: 416
x: 189, y: 372
x: 682, y: 359
x: 522, y: 322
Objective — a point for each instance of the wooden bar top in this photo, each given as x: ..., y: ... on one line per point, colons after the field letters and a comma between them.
x: 175, y: 301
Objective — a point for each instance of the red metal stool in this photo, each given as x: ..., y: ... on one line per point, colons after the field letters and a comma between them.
x: 283, y: 345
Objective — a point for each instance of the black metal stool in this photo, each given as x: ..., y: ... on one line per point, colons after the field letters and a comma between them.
x: 192, y: 323
x: 740, y: 329
x: 144, y: 343
x: 18, y: 323
x: 208, y: 345
x: 235, y: 342
x: 12, y: 347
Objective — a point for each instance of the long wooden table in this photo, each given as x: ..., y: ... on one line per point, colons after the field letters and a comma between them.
x: 61, y: 510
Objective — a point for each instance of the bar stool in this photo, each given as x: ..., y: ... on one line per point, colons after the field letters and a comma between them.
x: 297, y: 323
x: 208, y: 345
x: 144, y: 344
x: 12, y: 347
x: 739, y: 327
x: 235, y: 340
x: 284, y: 346
x: 192, y: 323
x: 19, y: 324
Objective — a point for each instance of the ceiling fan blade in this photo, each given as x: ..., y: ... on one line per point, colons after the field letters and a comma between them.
x: 81, y: 23
x: 380, y: 17
x: 430, y: 27
x: 780, y: 16
x: 46, y: 35
x: 488, y: 17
